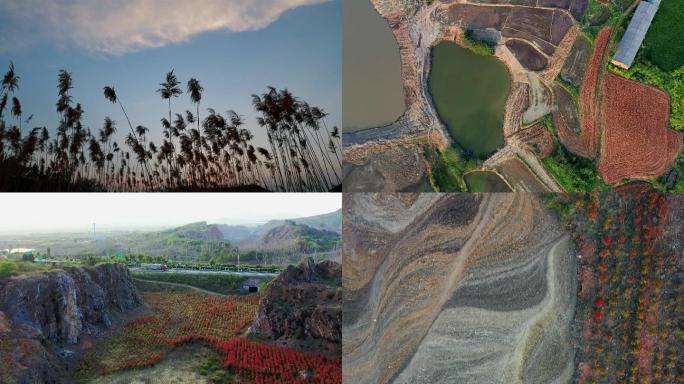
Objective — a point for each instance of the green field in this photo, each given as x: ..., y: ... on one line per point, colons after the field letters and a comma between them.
x: 663, y: 45
x: 219, y: 283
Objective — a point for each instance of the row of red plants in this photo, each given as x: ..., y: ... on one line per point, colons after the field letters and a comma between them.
x: 218, y: 321
x: 627, y: 310
x: 268, y: 364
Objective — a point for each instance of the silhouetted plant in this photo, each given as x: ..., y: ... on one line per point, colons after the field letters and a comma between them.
x: 217, y: 154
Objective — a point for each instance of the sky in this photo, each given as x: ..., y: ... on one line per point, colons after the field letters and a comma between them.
x: 76, y: 212
x: 236, y: 48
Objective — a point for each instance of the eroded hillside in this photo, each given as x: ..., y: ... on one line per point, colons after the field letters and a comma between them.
x: 455, y: 288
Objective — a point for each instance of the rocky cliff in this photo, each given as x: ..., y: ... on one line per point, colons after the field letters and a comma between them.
x: 302, y: 308
x: 44, y: 316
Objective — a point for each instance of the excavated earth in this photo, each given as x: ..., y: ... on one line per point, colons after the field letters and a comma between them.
x: 534, y: 39
x: 455, y: 288
x: 46, y: 318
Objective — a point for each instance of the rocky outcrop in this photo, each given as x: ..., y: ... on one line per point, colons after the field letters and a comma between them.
x: 302, y: 308
x: 43, y: 316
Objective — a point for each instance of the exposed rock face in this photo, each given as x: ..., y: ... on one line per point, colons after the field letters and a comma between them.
x: 455, y: 288
x: 42, y: 313
x: 302, y: 308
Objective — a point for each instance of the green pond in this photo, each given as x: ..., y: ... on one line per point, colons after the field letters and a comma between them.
x: 469, y: 92
x: 485, y: 181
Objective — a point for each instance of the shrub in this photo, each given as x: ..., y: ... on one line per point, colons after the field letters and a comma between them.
x: 7, y: 268
x: 478, y: 47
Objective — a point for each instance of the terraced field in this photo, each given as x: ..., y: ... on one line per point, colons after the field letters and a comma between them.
x: 586, y: 142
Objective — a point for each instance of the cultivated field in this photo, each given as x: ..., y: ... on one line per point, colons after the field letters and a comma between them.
x: 637, y: 143
x: 588, y: 111
x: 628, y: 318
x: 538, y: 138
x: 179, y: 318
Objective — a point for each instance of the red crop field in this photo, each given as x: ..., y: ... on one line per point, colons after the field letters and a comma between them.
x: 637, y: 142
x: 266, y: 364
x: 218, y: 321
x: 629, y: 301
x: 586, y: 143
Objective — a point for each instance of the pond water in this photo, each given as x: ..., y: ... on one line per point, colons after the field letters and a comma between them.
x: 469, y: 92
x: 485, y: 181
x: 372, y: 90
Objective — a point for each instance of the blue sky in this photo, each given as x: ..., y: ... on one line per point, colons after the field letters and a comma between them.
x: 234, y: 47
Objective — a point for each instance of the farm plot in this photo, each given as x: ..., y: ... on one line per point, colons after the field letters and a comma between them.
x: 573, y: 69
x: 527, y: 55
x: 178, y: 318
x: 219, y: 321
x: 637, y: 143
x: 541, y: 27
x: 520, y: 176
x: 588, y: 137
x: 567, y: 123
x: 538, y: 138
x: 629, y: 302
x: 261, y: 363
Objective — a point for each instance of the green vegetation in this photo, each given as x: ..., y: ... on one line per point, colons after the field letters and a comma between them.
x: 448, y: 168
x: 599, y: 15
x: 7, y: 268
x: 314, y: 240
x: 478, y: 47
x: 331, y: 221
x: 662, y: 45
x: 219, y: 283
x: 214, y: 371
x: 557, y: 204
x: 573, y: 173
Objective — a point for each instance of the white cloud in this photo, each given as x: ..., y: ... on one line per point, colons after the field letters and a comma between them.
x: 120, y: 26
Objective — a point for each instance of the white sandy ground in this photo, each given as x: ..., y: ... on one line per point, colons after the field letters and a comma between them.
x: 474, y: 345
x: 410, y: 286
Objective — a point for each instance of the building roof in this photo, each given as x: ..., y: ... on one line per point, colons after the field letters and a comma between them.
x: 635, y: 33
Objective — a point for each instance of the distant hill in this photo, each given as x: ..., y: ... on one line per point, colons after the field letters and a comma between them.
x: 236, y: 233
x: 277, y: 242
x: 247, y: 235
x: 197, y: 231
x: 328, y: 221
x: 291, y: 235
